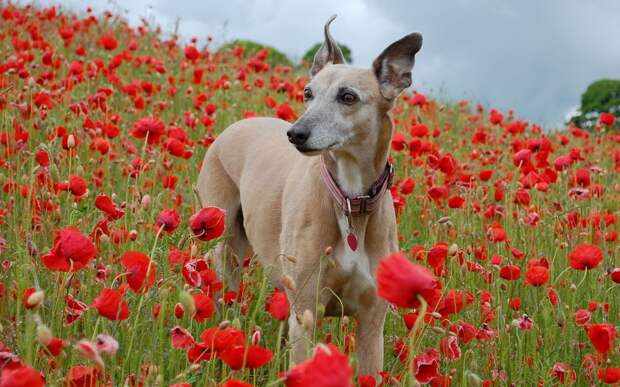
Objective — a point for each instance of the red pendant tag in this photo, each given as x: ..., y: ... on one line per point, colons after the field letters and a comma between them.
x: 352, y: 241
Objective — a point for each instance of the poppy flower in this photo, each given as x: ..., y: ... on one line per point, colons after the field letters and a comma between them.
x: 235, y: 383
x: 426, y: 365
x: 150, y: 128
x: 108, y: 42
x: 204, y: 306
x: 77, y: 186
x: 327, y: 368
x: 602, y: 336
x: 22, y: 376
x: 82, y: 375
x: 105, y: 204
x: 240, y: 356
x: 208, y: 223
x: 71, y: 252
x: 181, y: 338
x: 609, y: 375
x: 510, y: 272
x: 110, y: 304
x: 582, y: 317
x: 607, y: 119
x: 138, y: 266
x: 563, y: 372
x: 537, y: 275
x: 400, y: 282
x: 277, y: 305
x: 168, y: 219
x: 585, y: 256
x: 399, y: 141
x: 449, y: 347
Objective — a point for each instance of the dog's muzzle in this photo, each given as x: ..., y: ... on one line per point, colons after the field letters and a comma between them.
x: 298, y: 135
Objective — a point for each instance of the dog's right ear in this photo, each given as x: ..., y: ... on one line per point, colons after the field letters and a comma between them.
x: 328, y: 53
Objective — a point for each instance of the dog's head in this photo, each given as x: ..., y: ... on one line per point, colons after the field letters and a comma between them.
x: 345, y: 104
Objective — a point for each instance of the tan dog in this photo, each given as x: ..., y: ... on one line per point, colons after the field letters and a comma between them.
x: 279, y: 206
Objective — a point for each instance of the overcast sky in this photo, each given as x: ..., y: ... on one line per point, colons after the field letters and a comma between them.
x: 535, y: 56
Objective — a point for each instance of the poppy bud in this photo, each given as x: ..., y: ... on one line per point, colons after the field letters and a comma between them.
x: 288, y: 282
x: 187, y: 301
x: 35, y: 299
x: 307, y: 320
x: 44, y: 335
x: 453, y: 249
x: 179, y: 311
x: 70, y: 141
x: 146, y: 201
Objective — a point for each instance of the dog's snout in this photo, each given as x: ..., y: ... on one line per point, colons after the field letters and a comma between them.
x: 298, y: 136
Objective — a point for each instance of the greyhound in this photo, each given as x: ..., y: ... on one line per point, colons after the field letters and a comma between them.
x: 308, y: 198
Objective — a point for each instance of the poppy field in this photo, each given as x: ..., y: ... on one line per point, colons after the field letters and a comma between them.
x: 509, y: 270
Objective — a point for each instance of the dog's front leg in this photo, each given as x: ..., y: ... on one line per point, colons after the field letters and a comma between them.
x: 370, y: 338
x: 302, y: 318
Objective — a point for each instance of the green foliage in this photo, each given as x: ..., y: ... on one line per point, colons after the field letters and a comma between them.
x: 309, y: 55
x: 600, y: 97
x: 275, y: 58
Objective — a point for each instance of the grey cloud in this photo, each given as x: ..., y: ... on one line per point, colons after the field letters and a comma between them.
x: 534, y: 56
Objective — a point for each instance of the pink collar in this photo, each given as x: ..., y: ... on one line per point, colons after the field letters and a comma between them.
x: 359, y: 205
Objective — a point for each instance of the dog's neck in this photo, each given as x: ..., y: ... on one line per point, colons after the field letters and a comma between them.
x: 356, y: 169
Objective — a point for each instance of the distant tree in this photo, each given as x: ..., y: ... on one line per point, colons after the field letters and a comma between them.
x: 250, y: 48
x: 602, y: 96
x: 309, y: 55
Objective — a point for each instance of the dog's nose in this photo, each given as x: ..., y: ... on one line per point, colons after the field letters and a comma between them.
x: 297, y: 136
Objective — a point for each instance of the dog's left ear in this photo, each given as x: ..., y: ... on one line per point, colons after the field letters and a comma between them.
x: 328, y: 53
x: 393, y: 66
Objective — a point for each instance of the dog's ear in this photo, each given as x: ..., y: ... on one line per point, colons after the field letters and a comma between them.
x: 393, y: 66
x: 329, y: 51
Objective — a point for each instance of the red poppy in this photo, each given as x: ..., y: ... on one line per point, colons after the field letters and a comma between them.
x: 563, y: 372
x: 240, y: 356
x: 426, y: 365
x: 585, y: 256
x: 105, y: 204
x: 108, y: 42
x: 602, y: 336
x: 327, y: 368
x: 191, y: 53
x: 208, y: 223
x: 204, y: 306
x: 236, y: 383
x: 400, y: 282
x: 150, y: 128
x: 510, y: 272
x: 138, y: 266
x: 449, y: 347
x: 607, y: 119
x: 537, y: 275
x: 82, y: 376
x: 21, y: 376
x: 181, y: 338
x: 71, y: 252
x: 169, y: 219
x: 277, y: 305
x: 77, y: 186
x: 456, y: 202
x: 110, y: 304
x: 609, y: 375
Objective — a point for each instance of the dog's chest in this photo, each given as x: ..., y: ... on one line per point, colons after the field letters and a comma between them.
x: 351, y: 274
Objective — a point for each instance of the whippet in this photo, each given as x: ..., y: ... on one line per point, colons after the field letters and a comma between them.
x: 309, y: 198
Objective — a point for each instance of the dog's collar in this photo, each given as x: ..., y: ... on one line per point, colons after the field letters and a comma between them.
x: 358, y: 205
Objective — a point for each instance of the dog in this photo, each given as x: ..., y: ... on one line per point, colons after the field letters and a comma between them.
x: 309, y: 199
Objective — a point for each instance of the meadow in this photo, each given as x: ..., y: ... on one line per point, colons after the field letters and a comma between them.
x: 106, y: 275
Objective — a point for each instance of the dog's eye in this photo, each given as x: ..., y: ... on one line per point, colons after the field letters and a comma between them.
x: 307, y: 94
x: 348, y: 98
